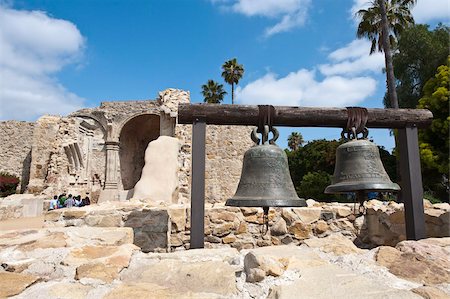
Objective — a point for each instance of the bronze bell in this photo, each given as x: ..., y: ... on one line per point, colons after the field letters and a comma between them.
x: 265, y: 178
x: 359, y: 168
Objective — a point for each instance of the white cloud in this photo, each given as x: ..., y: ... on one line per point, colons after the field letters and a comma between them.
x: 431, y: 10
x: 301, y: 88
x: 344, y: 82
x: 424, y: 10
x: 34, y: 47
x: 353, y: 59
x: 288, y: 13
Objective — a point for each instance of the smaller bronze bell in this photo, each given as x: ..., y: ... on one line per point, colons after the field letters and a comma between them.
x: 359, y: 168
x: 265, y: 179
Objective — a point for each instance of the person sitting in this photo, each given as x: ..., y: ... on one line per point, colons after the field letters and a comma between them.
x: 61, y: 201
x: 85, y: 202
x: 53, y: 203
x: 70, y: 202
x: 78, y: 201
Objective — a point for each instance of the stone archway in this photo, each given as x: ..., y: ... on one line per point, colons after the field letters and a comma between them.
x: 134, y: 138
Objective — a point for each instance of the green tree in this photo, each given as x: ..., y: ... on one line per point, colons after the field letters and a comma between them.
x: 434, y: 141
x: 213, y: 92
x: 295, y: 140
x: 420, y: 51
x: 232, y: 73
x: 382, y: 23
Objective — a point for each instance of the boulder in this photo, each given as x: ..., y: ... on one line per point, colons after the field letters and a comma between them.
x: 159, y: 179
x: 336, y: 244
x: 335, y: 283
x: 308, y: 215
x: 300, y: 230
x: 14, y: 283
x: 279, y: 228
x: 257, y: 267
x: 420, y: 262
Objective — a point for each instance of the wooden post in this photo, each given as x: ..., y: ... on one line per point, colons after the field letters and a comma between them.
x: 198, y: 184
x: 411, y: 183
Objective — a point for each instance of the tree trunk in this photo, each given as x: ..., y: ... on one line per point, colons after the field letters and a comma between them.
x: 232, y: 93
x: 388, y: 56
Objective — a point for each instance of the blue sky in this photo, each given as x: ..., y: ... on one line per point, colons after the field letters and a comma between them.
x: 59, y: 56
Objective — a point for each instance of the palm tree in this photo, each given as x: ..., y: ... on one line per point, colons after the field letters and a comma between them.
x: 382, y: 23
x: 232, y: 73
x: 295, y: 140
x: 213, y: 92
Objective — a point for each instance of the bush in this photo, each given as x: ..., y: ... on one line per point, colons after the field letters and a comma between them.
x: 8, y: 184
x: 314, y: 183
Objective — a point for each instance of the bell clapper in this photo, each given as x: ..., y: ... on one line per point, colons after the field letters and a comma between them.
x: 360, y: 197
x: 265, y: 227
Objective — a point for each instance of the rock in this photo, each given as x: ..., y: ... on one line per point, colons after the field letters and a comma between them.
x: 342, y: 225
x: 54, y: 240
x: 335, y: 283
x: 386, y: 255
x: 308, y: 215
x: 159, y: 179
x: 416, y: 261
x: 213, y: 239
x: 14, y: 283
x: 429, y: 249
x: 223, y: 216
x: 248, y: 211
x: 242, y: 228
x: 73, y: 213
x: 300, y: 230
x: 341, y: 211
x: 429, y: 292
x: 183, y: 275
x: 279, y: 228
x: 74, y: 290
x: 289, y: 216
x: 178, y: 218
x: 142, y: 290
x: 16, y: 266
x: 176, y: 241
x: 320, y: 227
x: 222, y: 229
x: 99, y: 271
x: 257, y: 267
x: 336, y: 244
x: 287, y: 240
x: 442, y: 206
x: 312, y: 203
x: 229, y: 239
x: 326, y: 215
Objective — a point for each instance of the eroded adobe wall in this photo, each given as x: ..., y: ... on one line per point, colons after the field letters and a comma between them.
x: 15, y: 148
x: 225, y: 148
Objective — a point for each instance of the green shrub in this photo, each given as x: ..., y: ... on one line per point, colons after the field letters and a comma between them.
x: 8, y: 184
x: 313, y: 184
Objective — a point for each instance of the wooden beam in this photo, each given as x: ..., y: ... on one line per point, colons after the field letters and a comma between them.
x: 245, y: 115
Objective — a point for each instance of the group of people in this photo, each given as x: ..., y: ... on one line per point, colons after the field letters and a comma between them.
x: 68, y: 201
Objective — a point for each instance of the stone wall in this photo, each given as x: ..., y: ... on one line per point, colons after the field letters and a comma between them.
x: 168, y: 229
x: 225, y: 148
x: 15, y: 149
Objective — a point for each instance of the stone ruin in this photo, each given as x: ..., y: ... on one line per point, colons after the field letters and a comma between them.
x: 100, y: 151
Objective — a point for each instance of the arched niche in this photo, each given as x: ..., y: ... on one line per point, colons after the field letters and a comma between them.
x: 134, y: 137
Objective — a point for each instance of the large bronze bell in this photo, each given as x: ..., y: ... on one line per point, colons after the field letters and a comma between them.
x: 265, y: 178
x: 359, y: 168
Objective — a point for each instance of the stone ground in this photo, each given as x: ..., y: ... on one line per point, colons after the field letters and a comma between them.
x: 22, y: 223
x: 100, y: 262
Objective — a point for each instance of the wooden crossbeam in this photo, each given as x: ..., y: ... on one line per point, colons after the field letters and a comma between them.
x: 218, y: 114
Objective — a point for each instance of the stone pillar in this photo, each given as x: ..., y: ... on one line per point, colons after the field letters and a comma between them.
x: 111, y: 190
x: 112, y: 163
